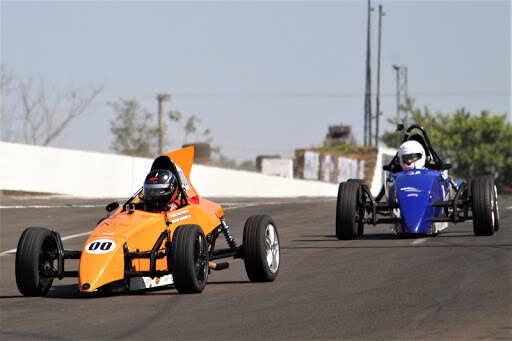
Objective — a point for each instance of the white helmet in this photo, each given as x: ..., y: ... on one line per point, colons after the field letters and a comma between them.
x: 411, y: 155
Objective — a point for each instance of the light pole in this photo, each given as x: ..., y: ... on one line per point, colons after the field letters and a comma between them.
x: 368, y: 92
x: 377, y: 106
x: 401, y: 94
x: 162, y: 98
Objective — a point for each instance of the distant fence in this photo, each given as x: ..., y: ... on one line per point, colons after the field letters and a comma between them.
x: 365, y: 164
x: 328, y: 167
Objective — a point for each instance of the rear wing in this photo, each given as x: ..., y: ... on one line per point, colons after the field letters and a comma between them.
x: 179, y: 162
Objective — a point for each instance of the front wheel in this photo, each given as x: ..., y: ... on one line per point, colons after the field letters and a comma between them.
x: 261, y: 249
x: 36, y: 257
x: 484, y: 198
x: 347, y: 211
x: 189, y: 259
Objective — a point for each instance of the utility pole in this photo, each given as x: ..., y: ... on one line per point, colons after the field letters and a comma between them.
x: 377, y: 106
x: 368, y: 93
x: 162, y: 98
x: 402, y: 107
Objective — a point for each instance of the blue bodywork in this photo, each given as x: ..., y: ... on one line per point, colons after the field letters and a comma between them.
x: 415, y: 191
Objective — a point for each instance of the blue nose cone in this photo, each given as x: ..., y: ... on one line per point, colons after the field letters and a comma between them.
x: 416, y: 211
x: 414, y: 189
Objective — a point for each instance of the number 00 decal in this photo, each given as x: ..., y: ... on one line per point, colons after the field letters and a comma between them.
x: 100, y: 246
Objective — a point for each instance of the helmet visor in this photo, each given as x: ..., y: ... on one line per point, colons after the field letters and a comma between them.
x: 408, y: 159
x: 156, y: 191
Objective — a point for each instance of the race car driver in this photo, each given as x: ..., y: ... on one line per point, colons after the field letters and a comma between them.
x: 160, y: 194
x: 411, y: 155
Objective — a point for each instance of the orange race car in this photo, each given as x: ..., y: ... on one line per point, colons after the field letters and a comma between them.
x: 163, y: 235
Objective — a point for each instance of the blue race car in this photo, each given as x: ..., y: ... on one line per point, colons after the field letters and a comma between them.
x: 421, y: 196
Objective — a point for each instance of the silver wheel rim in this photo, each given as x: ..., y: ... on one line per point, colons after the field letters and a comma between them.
x: 272, y: 248
x: 200, y: 259
x: 495, y: 211
x: 493, y: 203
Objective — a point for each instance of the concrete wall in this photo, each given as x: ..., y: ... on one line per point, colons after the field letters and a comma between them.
x: 277, y: 167
x: 98, y: 175
x: 384, y: 155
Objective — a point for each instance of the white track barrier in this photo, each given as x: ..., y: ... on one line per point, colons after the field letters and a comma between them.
x: 384, y: 156
x: 98, y: 175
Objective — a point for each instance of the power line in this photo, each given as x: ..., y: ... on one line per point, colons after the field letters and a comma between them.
x: 314, y: 95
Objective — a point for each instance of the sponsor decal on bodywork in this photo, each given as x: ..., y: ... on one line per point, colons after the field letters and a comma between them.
x: 438, y: 227
x: 411, y: 189
x: 140, y: 283
x: 185, y: 217
x: 180, y: 216
x: 177, y: 214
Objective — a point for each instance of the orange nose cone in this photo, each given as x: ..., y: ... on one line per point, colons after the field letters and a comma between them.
x: 102, y: 262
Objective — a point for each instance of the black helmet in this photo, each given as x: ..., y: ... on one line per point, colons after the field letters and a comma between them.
x: 160, y: 187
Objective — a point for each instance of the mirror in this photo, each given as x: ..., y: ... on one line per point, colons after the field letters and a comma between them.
x: 112, y: 206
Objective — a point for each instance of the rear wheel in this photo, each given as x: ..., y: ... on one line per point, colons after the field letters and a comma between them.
x: 347, y: 226
x: 189, y: 259
x: 36, y: 256
x: 261, y: 249
x: 484, y: 206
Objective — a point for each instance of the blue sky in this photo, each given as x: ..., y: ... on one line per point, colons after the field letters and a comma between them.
x: 265, y: 77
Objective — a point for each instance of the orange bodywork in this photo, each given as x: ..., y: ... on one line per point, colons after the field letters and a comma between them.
x: 103, y: 257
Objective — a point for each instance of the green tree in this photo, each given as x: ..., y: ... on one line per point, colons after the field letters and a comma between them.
x: 133, y: 130
x: 136, y: 133
x: 248, y: 165
x: 225, y: 162
x: 191, y: 128
x: 475, y: 144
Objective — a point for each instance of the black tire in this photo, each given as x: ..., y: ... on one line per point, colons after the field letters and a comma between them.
x: 36, y: 257
x: 484, y: 206
x: 189, y: 259
x: 360, y: 226
x: 261, y: 249
x: 347, y: 226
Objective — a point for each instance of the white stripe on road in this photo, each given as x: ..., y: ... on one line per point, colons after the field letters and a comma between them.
x: 8, y: 252
x: 227, y: 205
x: 419, y: 241
x: 12, y: 251
x: 52, y: 206
x: 76, y: 235
x: 230, y: 206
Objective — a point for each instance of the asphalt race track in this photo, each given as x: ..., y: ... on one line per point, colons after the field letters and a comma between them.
x: 454, y: 286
